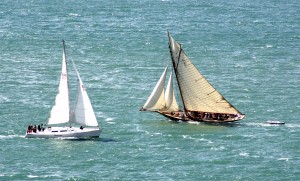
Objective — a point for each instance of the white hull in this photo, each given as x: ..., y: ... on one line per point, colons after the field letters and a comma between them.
x: 65, y: 132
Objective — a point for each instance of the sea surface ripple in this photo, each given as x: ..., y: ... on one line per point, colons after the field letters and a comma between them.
x: 248, y: 50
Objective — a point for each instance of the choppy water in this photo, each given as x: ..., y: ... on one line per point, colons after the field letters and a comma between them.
x: 249, y: 51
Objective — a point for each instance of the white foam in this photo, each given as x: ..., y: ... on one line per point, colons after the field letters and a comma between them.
x: 269, y: 46
x: 218, y: 149
x: 4, y: 99
x: 244, y: 154
x: 73, y: 14
x: 292, y: 125
x: 193, y: 122
x: 109, y: 119
x: 283, y: 159
x: 11, y: 136
x: 32, y: 176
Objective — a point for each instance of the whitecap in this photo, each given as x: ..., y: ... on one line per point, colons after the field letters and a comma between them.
x: 244, y: 154
x: 269, y: 46
x: 218, y: 149
x: 11, y: 136
x: 73, y: 14
x: 32, y: 176
x: 109, y: 119
x: 4, y: 99
x: 111, y: 122
x: 283, y: 159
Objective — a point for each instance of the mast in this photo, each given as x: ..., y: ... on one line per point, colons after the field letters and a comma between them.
x: 65, y: 58
x: 175, y: 67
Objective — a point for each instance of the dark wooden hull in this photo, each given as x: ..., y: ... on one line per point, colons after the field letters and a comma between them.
x: 185, y: 118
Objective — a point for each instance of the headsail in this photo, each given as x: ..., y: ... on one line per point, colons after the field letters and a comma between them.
x: 171, y: 103
x: 196, y: 92
x: 61, y: 110
x: 156, y: 100
x: 159, y: 100
x: 83, y: 111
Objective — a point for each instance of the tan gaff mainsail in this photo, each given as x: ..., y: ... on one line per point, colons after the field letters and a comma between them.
x: 197, y: 94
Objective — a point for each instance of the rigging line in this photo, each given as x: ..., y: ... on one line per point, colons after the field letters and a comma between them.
x: 179, y: 55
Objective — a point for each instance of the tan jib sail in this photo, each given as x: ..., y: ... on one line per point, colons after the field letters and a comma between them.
x: 196, y: 92
x: 159, y: 100
x: 170, y: 100
x: 156, y: 100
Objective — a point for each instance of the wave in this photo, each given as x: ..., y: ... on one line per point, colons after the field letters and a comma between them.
x: 3, y: 137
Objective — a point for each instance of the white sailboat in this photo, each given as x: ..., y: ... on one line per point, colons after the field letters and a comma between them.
x: 201, y: 101
x: 61, y: 113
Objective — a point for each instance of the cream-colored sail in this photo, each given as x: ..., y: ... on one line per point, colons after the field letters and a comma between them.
x: 171, y: 103
x: 61, y: 110
x: 156, y: 100
x: 196, y: 92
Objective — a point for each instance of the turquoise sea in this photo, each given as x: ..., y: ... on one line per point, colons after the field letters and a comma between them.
x: 248, y: 50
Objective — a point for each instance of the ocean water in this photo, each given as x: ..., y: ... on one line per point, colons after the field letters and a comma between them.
x: 248, y: 50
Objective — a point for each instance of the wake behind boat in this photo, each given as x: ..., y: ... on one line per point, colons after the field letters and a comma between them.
x: 201, y: 101
x: 61, y: 112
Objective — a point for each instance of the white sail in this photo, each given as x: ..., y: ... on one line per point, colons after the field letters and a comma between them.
x: 60, y: 113
x: 196, y: 92
x: 171, y: 103
x: 156, y: 100
x: 83, y: 111
x: 61, y: 110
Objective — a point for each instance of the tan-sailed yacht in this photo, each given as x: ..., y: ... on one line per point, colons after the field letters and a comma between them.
x: 201, y: 101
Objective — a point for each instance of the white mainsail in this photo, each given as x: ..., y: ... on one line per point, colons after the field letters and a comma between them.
x: 61, y: 110
x: 171, y: 103
x: 83, y: 111
x: 196, y: 92
x: 156, y: 100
